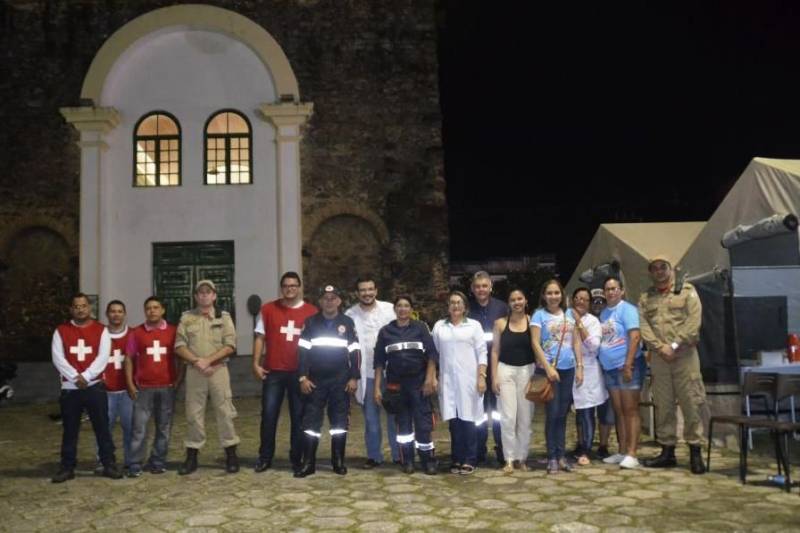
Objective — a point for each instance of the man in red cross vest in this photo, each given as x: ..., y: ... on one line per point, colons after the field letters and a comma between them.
x: 80, y: 351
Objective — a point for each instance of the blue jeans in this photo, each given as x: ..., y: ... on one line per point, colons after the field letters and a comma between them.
x: 120, y: 406
x: 463, y: 442
x: 585, y: 419
x: 555, y: 424
x: 157, y: 403
x: 372, y: 426
x: 277, y: 384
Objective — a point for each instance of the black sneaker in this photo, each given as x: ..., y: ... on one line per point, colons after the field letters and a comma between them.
x: 369, y: 464
x: 263, y: 465
x: 134, y: 472
x: 112, y: 471
x: 602, y: 452
x: 63, y: 474
x: 156, y: 469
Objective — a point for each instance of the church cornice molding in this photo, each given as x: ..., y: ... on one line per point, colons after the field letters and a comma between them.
x: 90, y: 118
x: 287, y: 113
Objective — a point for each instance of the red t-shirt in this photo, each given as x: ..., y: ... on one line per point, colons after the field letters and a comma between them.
x: 282, y: 327
x: 152, y: 353
x: 114, y: 374
x: 81, y: 343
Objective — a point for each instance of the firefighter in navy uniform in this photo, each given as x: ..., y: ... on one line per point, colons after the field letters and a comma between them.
x: 406, y: 350
x: 329, y: 370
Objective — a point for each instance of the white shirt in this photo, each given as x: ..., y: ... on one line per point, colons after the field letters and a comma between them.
x: 368, y: 323
x: 461, y: 350
x: 92, y: 374
x: 593, y: 390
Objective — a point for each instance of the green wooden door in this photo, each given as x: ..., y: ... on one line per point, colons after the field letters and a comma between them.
x: 177, y: 267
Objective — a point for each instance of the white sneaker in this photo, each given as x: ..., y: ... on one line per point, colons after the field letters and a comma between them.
x: 629, y: 462
x: 614, y: 459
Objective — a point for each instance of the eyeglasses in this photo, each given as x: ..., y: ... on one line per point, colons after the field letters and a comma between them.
x: 612, y: 289
x: 580, y: 299
x: 290, y: 286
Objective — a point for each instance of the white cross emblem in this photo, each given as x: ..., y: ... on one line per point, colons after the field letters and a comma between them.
x: 290, y: 331
x: 156, y: 350
x: 81, y: 349
x: 117, y: 358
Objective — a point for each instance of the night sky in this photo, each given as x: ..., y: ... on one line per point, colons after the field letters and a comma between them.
x: 559, y: 118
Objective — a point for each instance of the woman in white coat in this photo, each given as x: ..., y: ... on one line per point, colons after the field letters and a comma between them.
x: 592, y: 392
x: 462, y: 380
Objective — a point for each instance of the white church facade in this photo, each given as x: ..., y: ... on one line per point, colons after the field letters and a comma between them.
x: 190, y: 134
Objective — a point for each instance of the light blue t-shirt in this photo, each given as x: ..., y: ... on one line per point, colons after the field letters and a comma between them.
x: 552, y: 328
x: 616, y: 322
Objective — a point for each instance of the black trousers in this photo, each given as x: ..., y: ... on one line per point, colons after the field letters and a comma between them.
x: 416, y: 412
x: 95, y: 401
x: 330, y: 394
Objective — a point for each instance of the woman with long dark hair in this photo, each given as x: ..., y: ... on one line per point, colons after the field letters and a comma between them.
x: 512, y: 366
x: 558, y: 354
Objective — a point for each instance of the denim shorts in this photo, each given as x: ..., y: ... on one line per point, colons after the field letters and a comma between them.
x: 614, y: 377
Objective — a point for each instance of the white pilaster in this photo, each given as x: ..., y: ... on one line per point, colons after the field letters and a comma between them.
x: 92, y: 123
x: 288, y: 119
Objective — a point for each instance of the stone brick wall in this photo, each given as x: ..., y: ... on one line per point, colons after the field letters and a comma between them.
x: 372, y: 150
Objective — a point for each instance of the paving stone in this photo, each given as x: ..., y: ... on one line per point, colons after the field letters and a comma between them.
x: 574, y: 527
x: 206, y: 520
x: 600, y: 497
x: 614, y: 501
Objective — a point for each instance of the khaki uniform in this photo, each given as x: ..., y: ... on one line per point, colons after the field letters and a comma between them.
x: 204, y: 336
x: 666, y: 318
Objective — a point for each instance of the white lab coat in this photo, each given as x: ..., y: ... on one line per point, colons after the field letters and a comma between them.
x: 593, y: 390
x: 368, y: 324
x: 461, y: 349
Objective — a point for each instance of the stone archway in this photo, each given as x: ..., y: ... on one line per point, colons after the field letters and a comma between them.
x: 38, y: 277
x: 341, y: 248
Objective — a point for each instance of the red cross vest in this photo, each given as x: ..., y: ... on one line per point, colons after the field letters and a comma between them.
x: 154, y: 362
x: 114, y: 374
x: 81, y: 343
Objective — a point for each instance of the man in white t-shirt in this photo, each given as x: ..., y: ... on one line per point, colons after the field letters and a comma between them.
x: 369, y: 316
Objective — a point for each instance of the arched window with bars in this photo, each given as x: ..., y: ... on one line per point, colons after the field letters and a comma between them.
x: 157, y: 151
x: 228, y: 153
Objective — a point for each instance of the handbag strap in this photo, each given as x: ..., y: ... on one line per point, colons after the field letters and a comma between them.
x: 561, y: 341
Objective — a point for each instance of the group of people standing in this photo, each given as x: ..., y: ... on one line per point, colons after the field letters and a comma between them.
x: 479, y: 359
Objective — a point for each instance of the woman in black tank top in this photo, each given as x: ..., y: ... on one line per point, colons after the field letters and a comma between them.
x: 512, y: 367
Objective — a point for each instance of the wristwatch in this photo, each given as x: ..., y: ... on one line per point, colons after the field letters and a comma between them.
x: 301, y: 379
x: 674, y: 345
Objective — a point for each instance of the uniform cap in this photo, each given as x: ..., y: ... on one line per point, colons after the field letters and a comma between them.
x: 659, y: 257
x: 597, y: 294
x: 329, y: 289
x: 207, y: 282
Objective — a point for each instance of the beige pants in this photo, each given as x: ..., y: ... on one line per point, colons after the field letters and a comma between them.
x: 198, y: 390
x: 515, y: 411
x: 678, y: 381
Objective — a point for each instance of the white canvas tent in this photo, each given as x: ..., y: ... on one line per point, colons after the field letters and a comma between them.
x: 766, y: 187
x: 632, y: 245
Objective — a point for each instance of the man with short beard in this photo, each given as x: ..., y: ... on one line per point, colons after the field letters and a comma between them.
x: 80, y: 351
x: 369, y: 316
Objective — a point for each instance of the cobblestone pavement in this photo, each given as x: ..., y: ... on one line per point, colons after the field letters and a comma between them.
x: 594, y: 498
